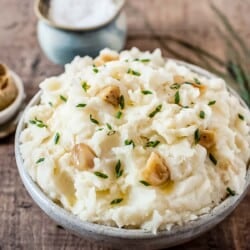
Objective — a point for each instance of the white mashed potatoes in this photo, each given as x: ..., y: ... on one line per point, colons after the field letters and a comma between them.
x: 132, y: 140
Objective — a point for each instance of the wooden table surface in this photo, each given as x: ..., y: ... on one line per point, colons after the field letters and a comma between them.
x: 22, y: 224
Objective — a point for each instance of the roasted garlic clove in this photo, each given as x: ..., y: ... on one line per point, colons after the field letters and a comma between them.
x: 110, y: 94
x: 207, y: 138
x: 82, y: 156
x: 106, y: 56
x: 156, y: 171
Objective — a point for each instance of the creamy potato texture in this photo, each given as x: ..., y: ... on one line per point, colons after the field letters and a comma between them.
x: 132, y: 140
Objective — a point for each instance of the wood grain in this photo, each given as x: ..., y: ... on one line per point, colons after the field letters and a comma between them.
x: 22, y: 224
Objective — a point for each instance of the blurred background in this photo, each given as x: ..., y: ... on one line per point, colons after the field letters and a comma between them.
x: 184, y: 29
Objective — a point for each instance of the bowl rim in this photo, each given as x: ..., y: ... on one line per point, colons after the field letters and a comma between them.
x: 74, y: 223
x: 49, y: 22
x: 8, y: 112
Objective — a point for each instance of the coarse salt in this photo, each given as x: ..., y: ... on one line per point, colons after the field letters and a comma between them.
x: 81, y: 13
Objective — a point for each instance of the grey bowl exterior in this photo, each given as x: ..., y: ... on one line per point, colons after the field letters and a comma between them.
x: 126, y: 238
x: 61, y: 45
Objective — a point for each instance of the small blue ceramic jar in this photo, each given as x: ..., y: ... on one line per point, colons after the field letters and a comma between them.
x: 61, y: 44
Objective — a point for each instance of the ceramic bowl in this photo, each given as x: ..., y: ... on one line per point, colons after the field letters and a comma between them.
x: 127, y: 238
x: 61, y: 43
x: 11, y: 110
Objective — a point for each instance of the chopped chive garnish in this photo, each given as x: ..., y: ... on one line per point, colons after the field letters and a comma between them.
x: 136, y: 59
x: 211, y: 102
x: 121, y: 102
x: 95, y: 70
x: 197, y: 136
x: 133, y: 72
x: 153, y: 113
x: 145, y: 60
x: 116, y: 201
x: 177, y: 98
x: 50, y: 103
x: 38, y: 123
x: 213, y: 159
x: 202, y: 114
x: 93, y: 120
x: 40, y: 160
x: 175, y: 86
x: 111, y: 132
x: 32, y: 121
x: 99, y: 129
x: 118, y: 170
x: 152, y: 144
x: 129, y: 142
x: 185, y: 107
x: 101, y: 175
x: 85, y: 86
x: 56, y: 138
x: 109, y: 126
x: 63, y: 98
x: 81, y: 105
x: 189, y: 83
x: 146, y: 92
x: 241, y: 117
x: 118, y: 115
x: 197, y: 81
x: 144, y: 183
x: 230, y: 191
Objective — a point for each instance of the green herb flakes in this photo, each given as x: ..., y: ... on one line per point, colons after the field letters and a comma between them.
x: 50, y: 103
x: 118, y: 170
x: 144, y: 183
x: 121, y: 102
x: 145, y: 60
x: 38, y: 123
x: 109, y: 126
x: 85, y: 86
x: 202, y: 114
x: 133, y: 72
x: 213, y: 159
x: 211, y: 103
x: 111, y: 131
x: 175, y: 86
x: 157, y: 110
x: 101, y: 175
x: 99, y: 129
x: 152, y: 144
x: 230, y: 191
x: 129, y: 142
x: 177, y: 98
x: 56, y: 138
x: 197, y: 136
x: 95, y: 70
x: 81, y: 105
x: 63, y: 98
x: 116, y: 201
x: 40, y: 160
x: 146, y: 92
x: 93, y: 120
x: 118, y: 115
x: 241, y: 117
x: 197, y: 81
